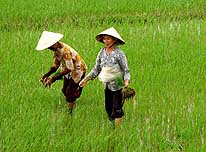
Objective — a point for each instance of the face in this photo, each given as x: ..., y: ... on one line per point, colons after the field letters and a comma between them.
x: 108, y: 40
x: 53, y: 47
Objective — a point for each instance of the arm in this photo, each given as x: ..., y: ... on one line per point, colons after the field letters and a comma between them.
x: 60, y: 75
x: 57, y: 77
x: 53, y: 69
x: 93, y: 73
x: 124, y: 66
x: 69, y: 66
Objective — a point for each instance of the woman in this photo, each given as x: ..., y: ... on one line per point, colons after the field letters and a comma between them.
x: 67, y: 63
x: 112, y: 68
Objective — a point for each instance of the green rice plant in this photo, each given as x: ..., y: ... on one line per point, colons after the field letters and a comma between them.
x: 165, y: 47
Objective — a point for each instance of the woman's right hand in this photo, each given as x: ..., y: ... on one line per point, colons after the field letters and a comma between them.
x: 83, y: 82
x: 43, y: 79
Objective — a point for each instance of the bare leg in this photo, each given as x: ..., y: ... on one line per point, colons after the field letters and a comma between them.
x: 70, y: 106
x: 118, y: 122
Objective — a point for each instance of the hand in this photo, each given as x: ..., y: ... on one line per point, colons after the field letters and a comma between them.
x: 43, y: 79
x: 48, y: 83
x: 126, y: 83
x: 83, y: 82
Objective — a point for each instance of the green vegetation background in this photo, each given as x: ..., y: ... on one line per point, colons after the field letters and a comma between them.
x: 165, y: 46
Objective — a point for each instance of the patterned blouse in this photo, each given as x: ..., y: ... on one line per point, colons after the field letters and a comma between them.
x: 69, y: 58
x: 104, y: 60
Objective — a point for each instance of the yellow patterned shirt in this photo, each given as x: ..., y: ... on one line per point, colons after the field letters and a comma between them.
x: 67, y: 57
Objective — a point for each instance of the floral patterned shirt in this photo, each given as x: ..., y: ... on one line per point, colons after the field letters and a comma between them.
x: 69, y: 58
x: 117, y: 56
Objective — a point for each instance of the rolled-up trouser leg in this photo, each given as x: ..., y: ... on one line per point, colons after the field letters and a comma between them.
x: 113, y: 104
x: 117, y: 111
x: 71, y: 90
x: 65, y: 84
x: 108, y: 103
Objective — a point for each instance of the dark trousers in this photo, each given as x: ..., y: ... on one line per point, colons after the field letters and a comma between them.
x: 71, y: 90
x: 113, y: 104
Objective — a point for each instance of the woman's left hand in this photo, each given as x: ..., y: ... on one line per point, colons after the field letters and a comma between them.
x: 126, y: 83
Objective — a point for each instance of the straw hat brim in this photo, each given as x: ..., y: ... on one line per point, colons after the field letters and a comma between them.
x: 100, y: 39
x: 111, y: 32
x: 47, y: 39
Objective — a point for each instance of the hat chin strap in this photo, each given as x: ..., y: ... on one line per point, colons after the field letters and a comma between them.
x: 112, y: 44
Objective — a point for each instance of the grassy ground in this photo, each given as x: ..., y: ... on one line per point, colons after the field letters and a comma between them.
x: 165, y: 46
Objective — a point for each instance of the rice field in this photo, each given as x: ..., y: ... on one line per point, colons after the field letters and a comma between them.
x: 165, y: 47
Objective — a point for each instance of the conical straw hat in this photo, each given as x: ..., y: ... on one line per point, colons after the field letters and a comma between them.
x: 111, y: 32
x: 47, y: 39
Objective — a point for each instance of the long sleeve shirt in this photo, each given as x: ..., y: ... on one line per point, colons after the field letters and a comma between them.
x: 117, y: 56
